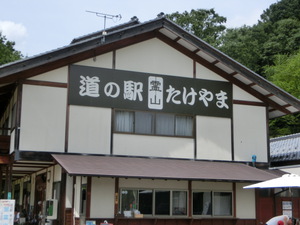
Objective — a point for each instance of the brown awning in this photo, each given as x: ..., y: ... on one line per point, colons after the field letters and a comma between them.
x: 154, y: 168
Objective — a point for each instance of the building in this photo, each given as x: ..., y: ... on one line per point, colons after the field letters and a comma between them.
x: 142, y: 124
x: 285, y: 151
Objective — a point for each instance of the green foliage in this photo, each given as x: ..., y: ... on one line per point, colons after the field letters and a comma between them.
x: 243, y: 45
x: 205, y: 24
x: 7, y: 51
x: 284, y: 9
x: 285, y: 74
x: 278, y: 32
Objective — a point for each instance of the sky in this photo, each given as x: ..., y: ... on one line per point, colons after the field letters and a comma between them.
x: 39, y: 26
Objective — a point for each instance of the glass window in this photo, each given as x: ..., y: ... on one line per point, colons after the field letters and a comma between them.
x: 179, y: 203
x: 165, y: 124
x: 144, y: 123
x: 162, y: 202
x: 128, y: 200
x: 153, y: 123
x: 83, y: 200
x: 222, y: 204
x: 145, y: 202
x: 202, y: 203
x: 184, y: 126
x: 124, y: 121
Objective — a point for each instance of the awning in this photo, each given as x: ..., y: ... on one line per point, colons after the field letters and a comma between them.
x: 286, y: 181
x: 155, y: 168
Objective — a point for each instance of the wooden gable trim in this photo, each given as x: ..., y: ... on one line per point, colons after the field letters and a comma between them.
x: 45, y: 83
x: 64, y: 57
x: 222, y: 73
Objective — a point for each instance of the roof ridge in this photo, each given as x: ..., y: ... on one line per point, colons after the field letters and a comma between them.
x: 133, y: 21
x: 296, y: 135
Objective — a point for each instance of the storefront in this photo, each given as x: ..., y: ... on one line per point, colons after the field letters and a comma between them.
x: 147, y: 125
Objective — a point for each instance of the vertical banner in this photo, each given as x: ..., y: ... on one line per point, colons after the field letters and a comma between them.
x: 7, y: 212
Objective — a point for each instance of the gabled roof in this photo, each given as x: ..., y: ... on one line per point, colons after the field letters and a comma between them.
x: 279, y: 102
x: 285, y: 150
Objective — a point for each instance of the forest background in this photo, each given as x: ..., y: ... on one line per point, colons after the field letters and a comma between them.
x: 271, y: 48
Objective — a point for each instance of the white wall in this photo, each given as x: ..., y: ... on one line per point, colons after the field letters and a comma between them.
x: 240, y: 94
x: 104, y: 61
x: 59, y: 75
x: 43, y: 118
x: 102, y: 197
x: 211, y: 186
x: 147, y: 183
x: 153, y: 56
x: 57, y: 173
x: 204, y: 73
x: 245, y: 202
x: 69, y: 191
x: 213, y: 138
x: 153, y: 146
x: 89, y: 130
x: 250, y: 133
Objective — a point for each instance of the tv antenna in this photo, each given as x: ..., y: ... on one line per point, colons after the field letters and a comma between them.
x: 115, y: 18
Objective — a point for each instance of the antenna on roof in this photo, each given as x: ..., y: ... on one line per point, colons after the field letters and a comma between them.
x: 115, y: 18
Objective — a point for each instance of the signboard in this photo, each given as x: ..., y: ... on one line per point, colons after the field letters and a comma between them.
x: 100, y: 87
x: 7, y: 212
x: 287, y: 208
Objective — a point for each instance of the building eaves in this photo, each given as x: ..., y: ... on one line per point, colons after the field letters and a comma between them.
x: 278, y: 101
x: 134, y: 21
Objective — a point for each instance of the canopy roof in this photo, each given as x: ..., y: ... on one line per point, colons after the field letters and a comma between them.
x: 156, y: 168
x: 286, y: 181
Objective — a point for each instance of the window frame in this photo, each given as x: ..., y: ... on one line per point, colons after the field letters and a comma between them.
x: 154, y: 191
x: 153, y: 129
x: 213, y: 214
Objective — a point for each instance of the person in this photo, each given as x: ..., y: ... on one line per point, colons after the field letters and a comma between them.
x: 280, y: 220
x: 17, y: 217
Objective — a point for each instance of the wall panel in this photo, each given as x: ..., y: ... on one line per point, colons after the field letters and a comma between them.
x: 43, y: 118
x: 89, y: 130
x: 153, y: 146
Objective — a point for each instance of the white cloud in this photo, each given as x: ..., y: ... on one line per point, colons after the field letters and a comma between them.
x: 14, y: 32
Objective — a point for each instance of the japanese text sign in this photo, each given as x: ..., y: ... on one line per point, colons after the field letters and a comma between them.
x: 100, y: 87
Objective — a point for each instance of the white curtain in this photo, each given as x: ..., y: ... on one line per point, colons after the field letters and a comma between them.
x: 124, y: 121
x: 144, y: 123
x: 184, y: 126
x: 165, y: 124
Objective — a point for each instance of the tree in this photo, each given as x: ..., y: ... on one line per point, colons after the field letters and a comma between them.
x: 205, y: 24
x: 284, y: 9
x: 285, y: 74
x: 244, y: 45
x: 7, y: 51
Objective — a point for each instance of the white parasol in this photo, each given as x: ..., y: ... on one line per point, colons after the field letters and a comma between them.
x: 286, y: 181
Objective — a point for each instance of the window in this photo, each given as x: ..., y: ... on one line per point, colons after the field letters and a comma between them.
x: 153, y: 123
x: 140, y: 200
x: 162, y: 202
x: 222, y: 204
x: 212, y: 203
x: 179, y: 203
x: 202, y: 202
x: 83, y: 199
x: 153, y: 202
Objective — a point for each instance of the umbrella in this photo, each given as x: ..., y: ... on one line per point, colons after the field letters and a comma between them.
x: 286, y: 181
